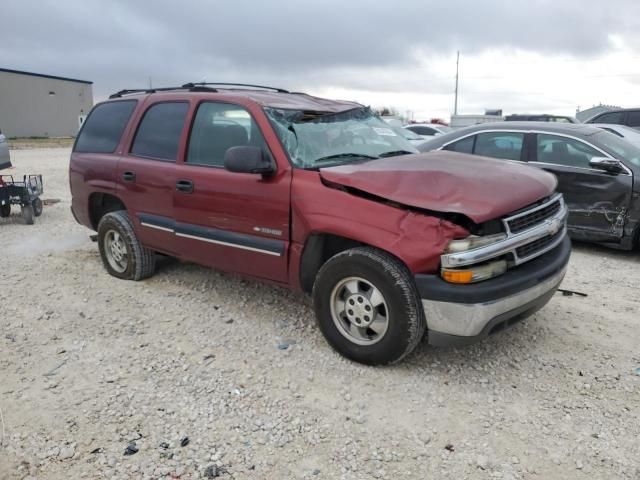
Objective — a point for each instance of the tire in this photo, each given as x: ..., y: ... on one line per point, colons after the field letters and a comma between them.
x: 122, y: 254
x: 369, y: 342
x: 37, y: 207
x: 5, y: 210
x: 27, y: 214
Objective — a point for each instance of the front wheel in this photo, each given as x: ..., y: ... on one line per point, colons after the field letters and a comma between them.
x: 367, y: 306
x: 27, y: 214
x: 5, y: 210
x: 122, y: 253
x: 37, y: 207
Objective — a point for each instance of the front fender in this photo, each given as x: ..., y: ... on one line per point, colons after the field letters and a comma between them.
x: 415, y: 238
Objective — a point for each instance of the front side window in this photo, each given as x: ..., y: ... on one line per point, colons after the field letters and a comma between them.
x: 569, y: 152
x: 322, y: 139
x: 462, y: 146
x: 620, y: 149
x: 158, y: 135
x: 633, y: 118
x: 505, y: 145
x: 103, y: 128
x: 218, y: 127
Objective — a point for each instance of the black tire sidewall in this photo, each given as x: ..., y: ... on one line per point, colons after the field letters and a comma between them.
x: 5, y: 211
x: 27, y: 214
x: 396, y: 342
x: 37, y: 207
x: 112, y: 222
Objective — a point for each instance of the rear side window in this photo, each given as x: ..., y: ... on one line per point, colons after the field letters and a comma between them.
x: 463, y: 146
x: 500, y: 145
x: 423, y: 130
x: 103, y: 128
x: 158, y: 135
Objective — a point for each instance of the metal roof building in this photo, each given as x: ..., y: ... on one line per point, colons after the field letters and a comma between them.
x: 38, y: 105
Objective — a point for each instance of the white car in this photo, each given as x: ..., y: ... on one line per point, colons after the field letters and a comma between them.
x: 428, y: 130
x: 5, y: 161
x: 631, y: 135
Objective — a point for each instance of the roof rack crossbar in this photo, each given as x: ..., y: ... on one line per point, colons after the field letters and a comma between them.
x: 225, y: 84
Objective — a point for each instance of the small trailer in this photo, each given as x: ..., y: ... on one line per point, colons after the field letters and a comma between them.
x: 25, y: 192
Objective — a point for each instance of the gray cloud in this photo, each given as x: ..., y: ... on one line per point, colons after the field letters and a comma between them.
x: 292, y: 43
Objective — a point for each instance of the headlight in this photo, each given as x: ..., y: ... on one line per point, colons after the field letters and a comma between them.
x: 475, y: 273
x: 472, y: 242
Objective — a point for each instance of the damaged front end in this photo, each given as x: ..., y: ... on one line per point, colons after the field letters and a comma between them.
x: 527, y: 234
x: 487, y: 283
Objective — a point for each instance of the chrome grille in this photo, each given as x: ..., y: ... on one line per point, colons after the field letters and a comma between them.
x: 529, y: 234
x: 530, y: 218
x: 538, y: 245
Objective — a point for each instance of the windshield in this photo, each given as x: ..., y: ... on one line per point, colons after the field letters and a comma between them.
x: 321, y: 139
x: 621, y: 149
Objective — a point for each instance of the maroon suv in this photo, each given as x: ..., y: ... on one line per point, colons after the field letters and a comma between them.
x: 324, y: 197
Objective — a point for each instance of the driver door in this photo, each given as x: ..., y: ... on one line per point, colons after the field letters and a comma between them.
x: 597, y: 200
x: 237, y: 222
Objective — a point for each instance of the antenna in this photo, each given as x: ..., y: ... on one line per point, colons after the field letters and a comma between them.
x: 455, y: 105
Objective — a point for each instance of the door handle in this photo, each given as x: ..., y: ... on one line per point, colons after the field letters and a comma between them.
x: 129, y: 176
x: 185, y: 186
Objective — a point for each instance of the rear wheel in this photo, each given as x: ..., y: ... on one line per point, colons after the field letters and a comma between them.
x: 27, y: 214
x: 5, y: 210
x: 368, y: 307
x: 37, y: 207
x: 122, y: 253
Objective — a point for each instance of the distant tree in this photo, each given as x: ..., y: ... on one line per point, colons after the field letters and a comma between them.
x: 386, y: 111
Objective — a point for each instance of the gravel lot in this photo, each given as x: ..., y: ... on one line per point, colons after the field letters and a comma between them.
x: 238, y: 373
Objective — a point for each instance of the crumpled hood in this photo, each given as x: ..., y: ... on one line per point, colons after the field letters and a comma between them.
x: 479, y: 187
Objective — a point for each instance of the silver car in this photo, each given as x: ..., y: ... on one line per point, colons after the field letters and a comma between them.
x: 5, y: 161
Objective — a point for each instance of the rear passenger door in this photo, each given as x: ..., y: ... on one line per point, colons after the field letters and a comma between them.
x: 233, y: 221
x: 597, y: 200
x: 146, y: 172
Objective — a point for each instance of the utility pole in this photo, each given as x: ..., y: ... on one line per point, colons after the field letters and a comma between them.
x: 455, y: 105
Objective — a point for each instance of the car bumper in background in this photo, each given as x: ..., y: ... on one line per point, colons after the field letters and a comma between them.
x: 464, y: 314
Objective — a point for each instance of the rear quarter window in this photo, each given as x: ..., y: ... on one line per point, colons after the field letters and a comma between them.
x: 103, y: 128
x: 463, y: 146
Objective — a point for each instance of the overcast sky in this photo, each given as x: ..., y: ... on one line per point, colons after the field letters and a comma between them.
x: 522, y: 56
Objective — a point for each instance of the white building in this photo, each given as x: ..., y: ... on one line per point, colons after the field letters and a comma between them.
x: 38, y: 105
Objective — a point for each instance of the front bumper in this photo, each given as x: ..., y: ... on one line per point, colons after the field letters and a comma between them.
x: 464, y: 314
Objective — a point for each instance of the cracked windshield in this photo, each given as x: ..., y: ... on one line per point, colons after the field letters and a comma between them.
x: 320, y: 139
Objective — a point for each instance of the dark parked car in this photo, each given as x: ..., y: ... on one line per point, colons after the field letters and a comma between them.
x: 595, y: 171
x: 624, y: 116
x: 324, y: 197
x: 518, y: 117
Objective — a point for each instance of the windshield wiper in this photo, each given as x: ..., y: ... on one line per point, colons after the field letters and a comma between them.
x: 395, y: 153
x: 343, y: 155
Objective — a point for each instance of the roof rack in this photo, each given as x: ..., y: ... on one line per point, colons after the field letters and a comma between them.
x: 223, y: 84
x: 194, y: 88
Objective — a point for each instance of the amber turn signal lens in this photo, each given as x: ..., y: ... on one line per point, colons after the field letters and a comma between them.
x: 453, y: 276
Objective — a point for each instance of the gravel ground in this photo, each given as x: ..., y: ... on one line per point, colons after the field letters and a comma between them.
x: 199, y: 374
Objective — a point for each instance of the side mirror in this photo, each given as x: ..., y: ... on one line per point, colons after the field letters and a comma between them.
x: 606, y: 164
x: 248, y: 160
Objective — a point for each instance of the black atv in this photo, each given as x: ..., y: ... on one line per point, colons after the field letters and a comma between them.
x: 25, y: 192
